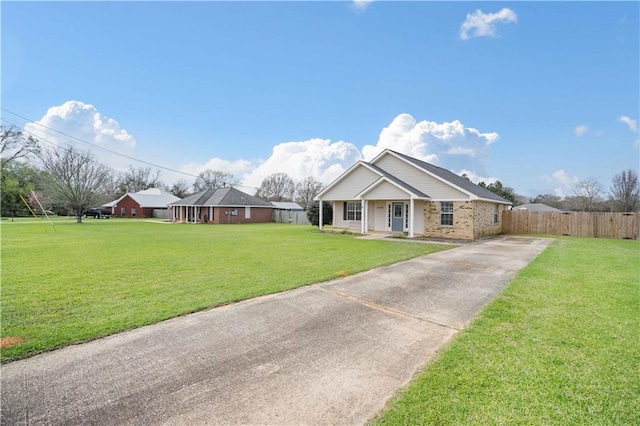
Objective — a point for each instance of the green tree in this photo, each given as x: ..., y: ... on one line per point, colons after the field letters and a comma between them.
x: 18, y: 178
x: 313, y: 213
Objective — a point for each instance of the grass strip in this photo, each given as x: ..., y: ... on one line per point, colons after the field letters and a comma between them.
x: 560, y: 345
x: 84, y: 281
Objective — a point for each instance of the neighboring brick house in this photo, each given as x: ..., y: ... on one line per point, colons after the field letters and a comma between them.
x: 152, y: 202
x: 398, y: 193
x: 223, y: 205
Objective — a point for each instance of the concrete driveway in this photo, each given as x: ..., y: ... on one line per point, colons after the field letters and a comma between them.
x: 330, y: 353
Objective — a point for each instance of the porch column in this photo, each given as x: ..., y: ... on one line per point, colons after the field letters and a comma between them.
x: 363, y: 213
x: 411, y: 205
x: 320, y: 214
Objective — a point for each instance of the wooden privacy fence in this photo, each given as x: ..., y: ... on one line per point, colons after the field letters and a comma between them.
x: 292, y: 217
x: 576, y: 224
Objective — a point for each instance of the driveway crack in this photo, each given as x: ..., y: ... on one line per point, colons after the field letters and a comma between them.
x: 385, y: 308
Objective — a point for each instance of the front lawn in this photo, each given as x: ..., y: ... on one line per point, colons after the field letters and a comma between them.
x: 100, y: 277
x: 561, y: 345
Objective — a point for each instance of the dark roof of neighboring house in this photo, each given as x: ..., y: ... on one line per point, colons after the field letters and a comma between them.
x: 536, y: 207
x: 453, y: 178
x: 227, y: 197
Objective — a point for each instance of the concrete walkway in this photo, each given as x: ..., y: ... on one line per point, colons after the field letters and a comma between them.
x: 330, y: 353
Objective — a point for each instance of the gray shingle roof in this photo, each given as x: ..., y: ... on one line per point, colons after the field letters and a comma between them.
x: 453, y: 178
x: 227, y: 197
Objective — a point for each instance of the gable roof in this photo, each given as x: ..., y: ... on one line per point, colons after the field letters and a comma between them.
x: 222, y: 197
x: 451, y: 178
x: 536, y: 207
x: 148, y: 198
x: 443, y: 175
x: 286, y: 205
x: 397, y: 182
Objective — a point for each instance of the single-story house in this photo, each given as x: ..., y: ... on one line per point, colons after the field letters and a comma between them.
x: 536, y: 207
x: 397, y: 193
x: 152, y: 202
x: 223, y: 205
x: 287, y: 206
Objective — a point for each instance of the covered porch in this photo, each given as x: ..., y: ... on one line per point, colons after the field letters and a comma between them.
x: 381, y: 216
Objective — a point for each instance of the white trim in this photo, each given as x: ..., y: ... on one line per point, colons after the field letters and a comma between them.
x: 471, y: 195
x: 383, y: 179
x: 344, y: 175
x: 320, y: 215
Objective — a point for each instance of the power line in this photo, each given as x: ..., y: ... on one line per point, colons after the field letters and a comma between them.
x: 93, y: 145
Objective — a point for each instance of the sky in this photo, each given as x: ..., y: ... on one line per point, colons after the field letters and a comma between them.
x: 539, y: 95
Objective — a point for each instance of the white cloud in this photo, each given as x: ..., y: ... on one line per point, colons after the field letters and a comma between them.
x: 236, y: 168
x: 482, y: 24
x: 633, y: 124
x: 580, y: 130
x: 448, y: 144
x: 319, y: 158
x: 475, y: 178
x: 84, y: 122
x: 361, y: 5
x: 561, y: 181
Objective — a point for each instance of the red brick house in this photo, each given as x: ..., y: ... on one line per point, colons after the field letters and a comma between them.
x: 223, y: 205
x: 152, y: 202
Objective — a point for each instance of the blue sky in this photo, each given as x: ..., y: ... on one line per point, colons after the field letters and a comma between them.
x: 536, y: 94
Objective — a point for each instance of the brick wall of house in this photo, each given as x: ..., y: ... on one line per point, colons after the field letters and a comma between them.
x: 483, y: 219
x: 462, y: 221
x: 128, y: 204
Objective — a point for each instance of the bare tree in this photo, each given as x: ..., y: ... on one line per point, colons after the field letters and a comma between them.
x: 588, y: 194
x: 214, y: 179
x: 180, y: 189
x: 306, y: 190
x: 14, y: 145
x: 625, y: 191
x: 75, y: 177
x: 138, y: 179
x: 276, y: 187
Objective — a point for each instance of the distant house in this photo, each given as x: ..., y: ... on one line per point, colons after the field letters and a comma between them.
x: 536, y: 207
x: 152, y: 202
x: 398, y: 193
x: 287, y: 206
x: 223, y: 205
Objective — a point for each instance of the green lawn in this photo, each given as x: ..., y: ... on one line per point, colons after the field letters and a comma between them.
x: 100, y: 277
x: 561, y: 345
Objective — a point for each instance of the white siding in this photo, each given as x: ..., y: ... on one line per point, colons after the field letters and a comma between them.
x: 410, y: 174
x: 386, y: 191
x: 418, y: 217
x: 380, y: 214
x: 338, y: 214
x: 359, y: 179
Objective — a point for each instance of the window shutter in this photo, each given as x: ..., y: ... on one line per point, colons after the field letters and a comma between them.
x: 344, y: 211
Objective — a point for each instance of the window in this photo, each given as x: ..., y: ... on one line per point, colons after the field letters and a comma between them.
x: 133, y: 211
x: 354, y: 211
x: 123, y: 211
x: 247, y: 212
x: 446, y: 213
x: 496, y: 214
